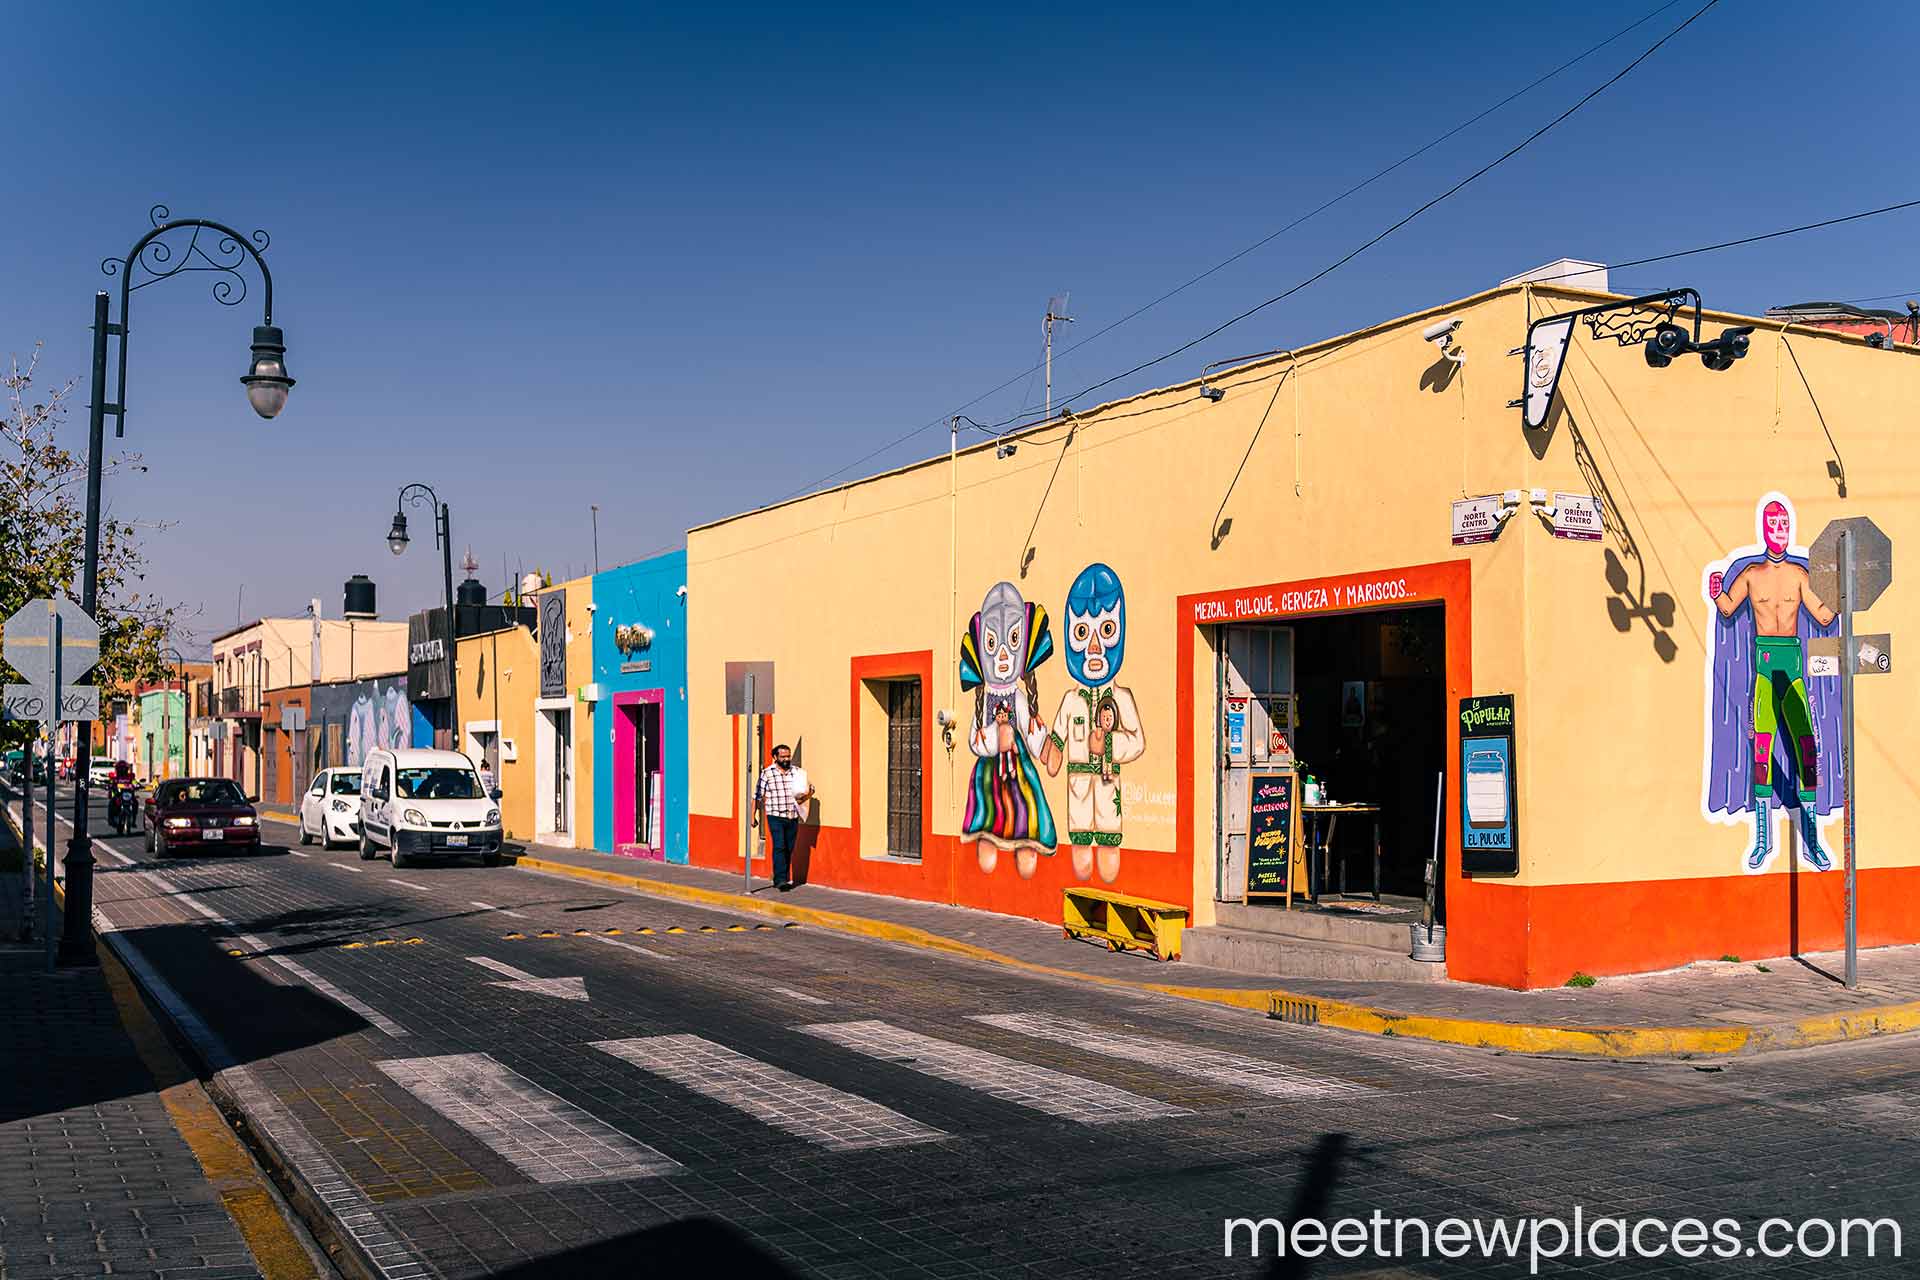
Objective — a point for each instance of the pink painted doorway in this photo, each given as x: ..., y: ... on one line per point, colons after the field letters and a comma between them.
x: 639, y: 774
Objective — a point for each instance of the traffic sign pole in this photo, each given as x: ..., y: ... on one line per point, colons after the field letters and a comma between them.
x: 53, y: 731
x: 1847, y: 663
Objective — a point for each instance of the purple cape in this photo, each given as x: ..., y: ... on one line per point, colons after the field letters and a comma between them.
x: 1730, y: 713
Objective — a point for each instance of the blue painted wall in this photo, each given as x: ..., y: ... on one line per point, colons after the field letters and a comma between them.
x: 645, y: 593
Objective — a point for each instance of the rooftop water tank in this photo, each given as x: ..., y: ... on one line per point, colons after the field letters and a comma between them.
x: 360, y: 598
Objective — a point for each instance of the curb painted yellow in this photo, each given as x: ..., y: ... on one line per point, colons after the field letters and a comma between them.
x: 242, y: 1188
x: 1511, y: 1037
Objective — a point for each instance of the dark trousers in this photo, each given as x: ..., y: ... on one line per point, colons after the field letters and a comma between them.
x: 780, y: 834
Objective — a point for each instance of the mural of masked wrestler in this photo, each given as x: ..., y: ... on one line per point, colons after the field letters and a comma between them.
x: 1097, y: 728
x: 1770, y: 728
x: 1006, y: 807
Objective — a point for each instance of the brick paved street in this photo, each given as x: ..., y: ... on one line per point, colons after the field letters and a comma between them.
x: 792, y: 1101
x: 94, y: 1178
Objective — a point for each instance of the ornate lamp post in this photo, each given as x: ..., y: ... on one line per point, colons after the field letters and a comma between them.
x: 416, y: 495
x: 158, y: 255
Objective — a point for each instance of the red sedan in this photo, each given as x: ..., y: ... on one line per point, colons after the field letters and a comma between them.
x: 199, y: 813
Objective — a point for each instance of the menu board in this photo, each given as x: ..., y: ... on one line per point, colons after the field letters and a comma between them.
x: 1273, y: 800
x: 1489, y: 821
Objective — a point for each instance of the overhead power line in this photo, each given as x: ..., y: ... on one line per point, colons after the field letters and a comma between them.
x: 1448, y: 194
x: 1261, y: 243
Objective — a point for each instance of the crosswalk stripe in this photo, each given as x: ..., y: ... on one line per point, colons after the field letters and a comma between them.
x: 801, y: 996
x: 1183, y: 1057
x: 804, y: 1108
x: 1054, y: 1093
x: 542, y: 1135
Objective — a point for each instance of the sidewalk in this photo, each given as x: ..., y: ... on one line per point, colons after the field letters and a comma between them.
x: 1699, y: 1011
x: 112, y: 1159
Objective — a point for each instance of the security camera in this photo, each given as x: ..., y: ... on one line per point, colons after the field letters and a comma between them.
x: 1440, y: 334
x: 1215, y: 394
x: 592, y: 607
x: 943, y: 718
x: 681, y: 591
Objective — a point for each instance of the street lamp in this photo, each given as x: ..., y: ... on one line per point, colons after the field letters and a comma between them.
x: 158, y: 255
x: 416, y: 495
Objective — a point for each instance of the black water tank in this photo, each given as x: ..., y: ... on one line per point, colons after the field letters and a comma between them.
x: 360, y: 601
x: 470, y: 592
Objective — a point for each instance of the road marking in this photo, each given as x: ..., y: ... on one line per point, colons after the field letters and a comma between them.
x: 410, y: 884
x: 502, y: 910
x: 1054, y: 1093
x: 801, y: 996
x: 341, y: 866
x: 637, y: 948
x: 804, y: 1108
x: 562, y: 988
x: 1185, y: 1058
x: 542, y: 1135
x: 299, y: 854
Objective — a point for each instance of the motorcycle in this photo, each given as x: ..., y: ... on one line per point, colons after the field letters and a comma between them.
x: 122, y: 805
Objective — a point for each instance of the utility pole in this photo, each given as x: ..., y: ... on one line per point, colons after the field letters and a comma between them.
x: 595, y: 508
x: 1056, y: 314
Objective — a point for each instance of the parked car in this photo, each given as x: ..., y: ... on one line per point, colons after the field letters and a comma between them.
x: 330, y: 809
x: 199, y: 813
x: 422, y: 804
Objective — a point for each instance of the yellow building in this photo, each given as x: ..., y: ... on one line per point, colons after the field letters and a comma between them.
x: 528, y: 704
x: 1229, y: 571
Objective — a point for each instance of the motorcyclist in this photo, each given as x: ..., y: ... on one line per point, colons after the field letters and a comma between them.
x: 122, y: 803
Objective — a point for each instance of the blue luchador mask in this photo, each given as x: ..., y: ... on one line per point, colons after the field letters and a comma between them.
x: 1096, y: 626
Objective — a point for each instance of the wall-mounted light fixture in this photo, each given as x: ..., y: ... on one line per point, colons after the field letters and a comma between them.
x: 1648, y: 319
x: 1217, y: 394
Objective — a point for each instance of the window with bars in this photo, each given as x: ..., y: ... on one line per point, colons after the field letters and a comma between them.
x: 903, y: 768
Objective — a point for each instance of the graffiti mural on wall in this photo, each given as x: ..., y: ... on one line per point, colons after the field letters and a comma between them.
x: 1097, y: 728
x: 1006, y: 806
x: 1771, y: 729
x: 350, y: 720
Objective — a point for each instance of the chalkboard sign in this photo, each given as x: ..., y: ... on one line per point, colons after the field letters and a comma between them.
x: 1273, y: 798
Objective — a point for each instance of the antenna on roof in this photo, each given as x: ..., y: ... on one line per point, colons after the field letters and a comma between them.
x: 1056, y: 314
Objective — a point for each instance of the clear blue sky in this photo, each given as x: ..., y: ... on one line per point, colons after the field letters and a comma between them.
x: 682, y: 263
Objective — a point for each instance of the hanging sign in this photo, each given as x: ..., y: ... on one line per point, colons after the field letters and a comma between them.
x: 1546, y: 353
x: 1273, y: 798
x: 1476, y: 520
x: 1489, y: 816
x: 1576, y: 516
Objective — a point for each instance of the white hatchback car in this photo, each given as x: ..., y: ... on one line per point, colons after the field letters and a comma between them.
x: 330, y: 809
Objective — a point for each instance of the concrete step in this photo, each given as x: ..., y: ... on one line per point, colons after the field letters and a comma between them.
x: 1318, y: 926
x: 1277, y: 955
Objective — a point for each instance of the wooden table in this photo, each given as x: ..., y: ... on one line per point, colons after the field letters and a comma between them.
x: 1322, y: 838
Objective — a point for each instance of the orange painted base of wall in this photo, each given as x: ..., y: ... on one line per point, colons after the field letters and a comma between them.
x: 949, y: 872
x: 1650, y: 925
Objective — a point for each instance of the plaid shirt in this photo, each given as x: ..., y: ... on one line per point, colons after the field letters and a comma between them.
x: 774, y: 793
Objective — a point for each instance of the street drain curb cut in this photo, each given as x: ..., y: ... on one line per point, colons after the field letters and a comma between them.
x: 1289, y: 1006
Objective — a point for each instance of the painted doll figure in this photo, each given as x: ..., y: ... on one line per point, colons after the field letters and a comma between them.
x: 1006, y: 807
x: 1762, y: 709
x: 1097, y: 728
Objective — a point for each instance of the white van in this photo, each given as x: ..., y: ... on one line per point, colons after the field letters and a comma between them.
x: 426, y: 804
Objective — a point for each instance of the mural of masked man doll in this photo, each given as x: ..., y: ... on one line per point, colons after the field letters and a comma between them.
x: 1006, y: 807
x: 1770, y: 727
x: 1097, y: 729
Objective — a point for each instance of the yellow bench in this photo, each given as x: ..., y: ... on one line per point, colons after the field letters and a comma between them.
x: 1124, y: 922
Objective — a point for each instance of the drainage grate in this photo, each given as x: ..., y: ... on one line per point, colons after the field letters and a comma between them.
x: 1293, y: 1009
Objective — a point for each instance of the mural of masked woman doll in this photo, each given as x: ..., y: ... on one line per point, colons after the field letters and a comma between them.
x: 1006, y: 808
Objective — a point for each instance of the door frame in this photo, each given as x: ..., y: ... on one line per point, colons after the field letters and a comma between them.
x: 626, y: 732
x: 545, y: 744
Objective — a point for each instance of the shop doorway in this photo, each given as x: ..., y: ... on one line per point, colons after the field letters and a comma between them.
x: 639, y: 774
x: 553, y: 764
x: 1358, y: 701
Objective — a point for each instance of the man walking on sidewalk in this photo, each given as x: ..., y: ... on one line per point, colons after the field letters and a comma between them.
x: 780, y: 797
